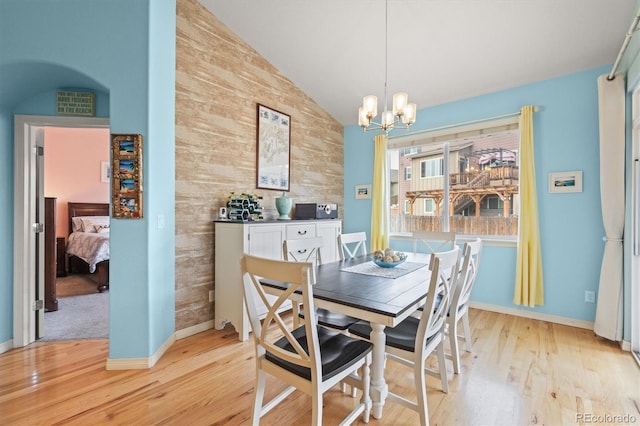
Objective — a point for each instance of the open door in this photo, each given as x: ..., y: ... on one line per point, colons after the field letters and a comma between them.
x: 28, y: 244
x: 38, y: 292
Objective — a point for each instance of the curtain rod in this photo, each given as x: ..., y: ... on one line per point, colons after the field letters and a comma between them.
x: 462, y: 123
x: 625, y: 43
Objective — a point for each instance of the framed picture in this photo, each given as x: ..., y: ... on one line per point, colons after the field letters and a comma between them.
x: 105, y: 171
x: 363, y: 192
x: 565, y: 181
x: 273, y: 149
x: 126, y: 170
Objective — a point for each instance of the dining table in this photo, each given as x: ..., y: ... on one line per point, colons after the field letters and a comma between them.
x: 382, y: 296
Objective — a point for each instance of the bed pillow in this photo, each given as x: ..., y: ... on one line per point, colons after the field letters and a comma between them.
x: 100, y: 229
x: 76, y: 224
x: 91, y: 223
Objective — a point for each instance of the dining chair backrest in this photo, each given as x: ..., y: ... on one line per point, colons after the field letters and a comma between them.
x: 350, y: 244
x: 471, y: 252
x: 433, y: 242
x: 303, y: 250
x: 444, y: 272
x: 299, y: 275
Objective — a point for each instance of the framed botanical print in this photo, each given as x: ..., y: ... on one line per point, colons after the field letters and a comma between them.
x: 273, y: 149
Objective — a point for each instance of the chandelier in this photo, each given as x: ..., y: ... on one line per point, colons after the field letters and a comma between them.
x: 402, y: 115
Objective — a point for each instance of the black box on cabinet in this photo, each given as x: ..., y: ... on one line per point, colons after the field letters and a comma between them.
x: 315, y: 211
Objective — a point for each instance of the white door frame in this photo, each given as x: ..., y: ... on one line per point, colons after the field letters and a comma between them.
x: 635, y: 224
x: 24, y: 201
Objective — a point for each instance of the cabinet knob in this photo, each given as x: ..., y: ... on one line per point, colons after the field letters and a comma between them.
x: 302, y: 251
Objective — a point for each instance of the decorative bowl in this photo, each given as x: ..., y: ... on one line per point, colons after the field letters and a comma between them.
x: 383, y: 264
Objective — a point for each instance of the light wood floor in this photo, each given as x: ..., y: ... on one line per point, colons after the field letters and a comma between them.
x: 521, y: 371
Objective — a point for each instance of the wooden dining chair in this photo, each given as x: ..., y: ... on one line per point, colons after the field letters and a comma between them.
x: 459, y: 307
x: 309, y: 358
x: 308, y: 250
x: 414, y: 339
x: 433, y: 242
x: 352, y: 245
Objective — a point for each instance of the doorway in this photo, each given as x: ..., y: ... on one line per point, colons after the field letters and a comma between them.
x: 28, y: 283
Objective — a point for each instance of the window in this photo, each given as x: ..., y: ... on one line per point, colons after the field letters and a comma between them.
x: 429, y: 206
x: 491, y: 202
x: 477, y: 169
x: 409, y: 151
x: 431, y: 167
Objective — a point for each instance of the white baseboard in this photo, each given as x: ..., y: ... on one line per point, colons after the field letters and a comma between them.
x: 5, y: 346
x: 533, y: 315
x: 140, y: 363
x: 625, y: 345
x: 194, y: 329
x: 144, y: 363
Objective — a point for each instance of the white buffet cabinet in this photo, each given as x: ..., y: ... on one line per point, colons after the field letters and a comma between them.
x: 264, y: 238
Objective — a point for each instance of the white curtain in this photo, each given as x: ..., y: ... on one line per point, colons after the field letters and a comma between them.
x: 611, y: 102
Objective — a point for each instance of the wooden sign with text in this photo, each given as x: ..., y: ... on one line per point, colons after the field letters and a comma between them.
x: 76, y: 103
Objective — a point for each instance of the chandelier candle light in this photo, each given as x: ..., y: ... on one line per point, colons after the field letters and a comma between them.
x: 403, y: 114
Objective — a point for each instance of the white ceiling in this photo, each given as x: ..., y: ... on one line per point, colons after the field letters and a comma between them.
x: 439, y: 50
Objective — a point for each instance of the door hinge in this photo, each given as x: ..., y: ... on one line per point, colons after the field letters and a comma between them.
x: 37, y: 305
x: 40, y: 150
x: 38, y: 227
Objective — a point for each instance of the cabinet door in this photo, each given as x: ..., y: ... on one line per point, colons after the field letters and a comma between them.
x: 329, y: 231
x: 266, y: 241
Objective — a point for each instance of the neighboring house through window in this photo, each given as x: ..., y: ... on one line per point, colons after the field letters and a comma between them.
x: 468, y: 180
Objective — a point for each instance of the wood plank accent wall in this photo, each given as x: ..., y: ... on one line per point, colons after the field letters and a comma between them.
x: 219, y: 81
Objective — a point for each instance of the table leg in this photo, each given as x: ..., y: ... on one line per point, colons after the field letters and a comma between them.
x: 379, y: 388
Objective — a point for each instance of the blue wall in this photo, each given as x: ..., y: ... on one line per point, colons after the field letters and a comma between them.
x: 124, y: 50
x: 566, y: 138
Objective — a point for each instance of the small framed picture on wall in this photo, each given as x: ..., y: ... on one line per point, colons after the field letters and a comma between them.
x: 363, y: 192
x: 126, y: 167
x: 560, y: 182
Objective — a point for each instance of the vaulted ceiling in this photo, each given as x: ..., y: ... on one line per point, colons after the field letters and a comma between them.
x: 438, y: 50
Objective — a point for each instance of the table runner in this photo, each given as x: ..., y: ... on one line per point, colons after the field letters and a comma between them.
x: 370, y: 268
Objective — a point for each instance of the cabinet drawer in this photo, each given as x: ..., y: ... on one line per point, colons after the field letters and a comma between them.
x: 306, y: 230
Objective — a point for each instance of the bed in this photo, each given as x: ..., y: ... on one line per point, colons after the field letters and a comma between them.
x: 88, y: 242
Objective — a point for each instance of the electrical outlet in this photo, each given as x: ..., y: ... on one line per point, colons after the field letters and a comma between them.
x: 211, y: 295
x: 590, y: 296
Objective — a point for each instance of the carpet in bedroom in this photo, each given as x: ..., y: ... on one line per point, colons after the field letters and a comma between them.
x: 82, y: 313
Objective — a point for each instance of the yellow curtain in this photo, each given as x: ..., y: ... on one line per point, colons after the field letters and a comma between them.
x: 380, y: 201
x: 528, y: 289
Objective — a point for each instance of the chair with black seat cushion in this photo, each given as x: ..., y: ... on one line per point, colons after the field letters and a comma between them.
x: 309, y: 250
x: 414, y: 339
x: 433, y: 241
x: 459, y: 307
x: 308, y: 358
